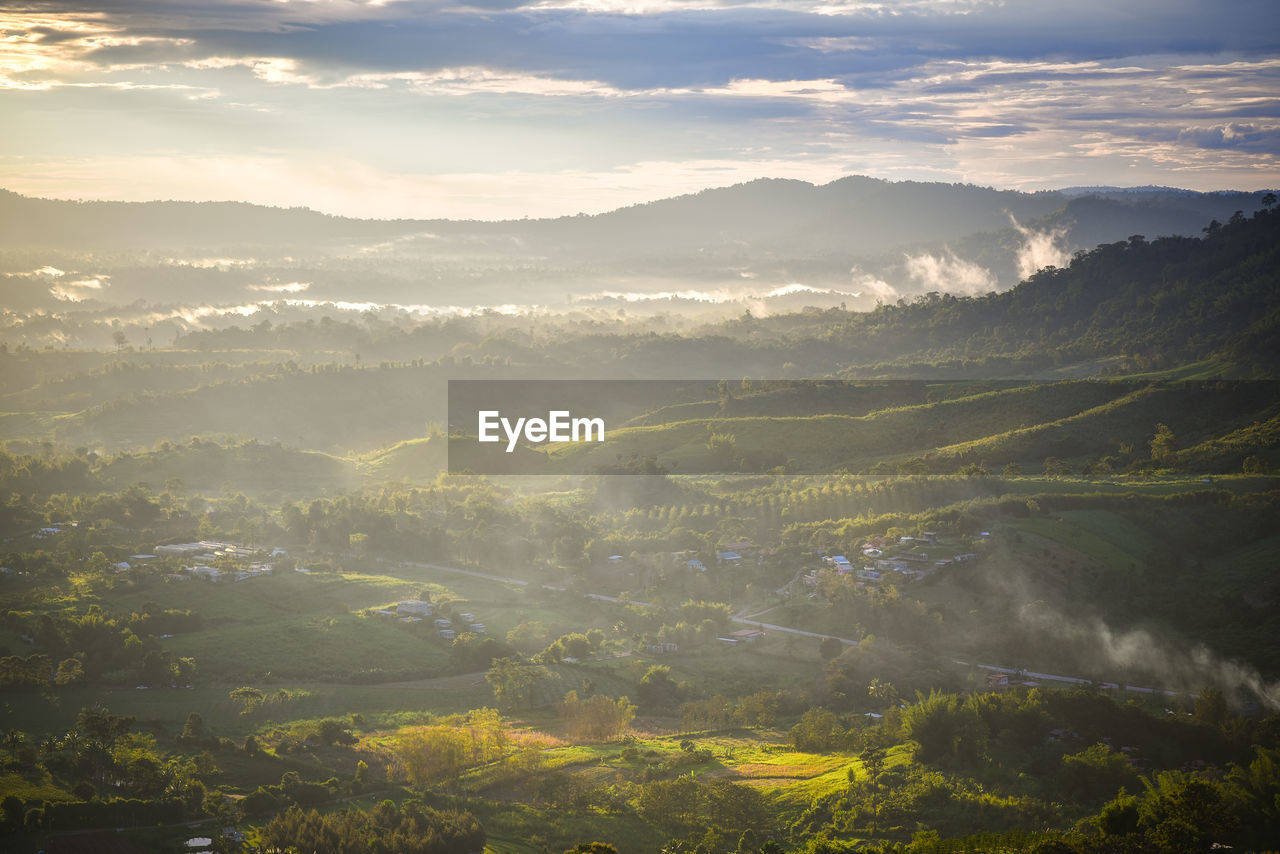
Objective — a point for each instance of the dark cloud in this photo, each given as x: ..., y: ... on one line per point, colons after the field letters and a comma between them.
x: 1234, y: 136
x: 695, y: 48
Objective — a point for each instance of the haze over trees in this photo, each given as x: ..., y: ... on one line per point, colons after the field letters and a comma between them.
x: 999, y: 575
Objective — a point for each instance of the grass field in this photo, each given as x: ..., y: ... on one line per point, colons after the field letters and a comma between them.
x: 1106, y: 537
x: 413, y: 461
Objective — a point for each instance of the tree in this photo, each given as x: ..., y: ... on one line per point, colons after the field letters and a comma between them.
x: 883, y: 691
x: 1163, y: 444
x: 722, y: 447
x: 1120, y: 816
x: 592, y: 848
x: 12, y: 741
x: 249, y: 697
x: 432, y: 754
x: 1211, y: 706
x: 817, y: 730
x: 656, y: 689
x: 70, y: 671
x: 1257, y: 789
x: 513, y: 681
x: 1183, y: 813
x: 872, y: 759
x: 597, y: 718
x: 1095, y: 773
x: 1055, y: 467
x: 194, y: 726
x: 13, y: 812
x: 944, y: 728
x: 830, y: 648
x: 1253, y: 464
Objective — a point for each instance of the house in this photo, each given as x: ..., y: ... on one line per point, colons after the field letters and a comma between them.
x: 447, y: 634
x: 696, y: 564
x: 478, y: 628
x: 747, y: 635
x: 664, y: 648
x: 208, y: 573
x: 841, y: 563
x: 385, y: 612
x: 442, y: 623
x: 414, y: 607
x: 467, y: 618
x: 872, y: 552
x: 728, y: 557
x: 997, y: 681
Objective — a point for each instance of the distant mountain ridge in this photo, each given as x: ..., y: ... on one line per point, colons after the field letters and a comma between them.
x: 851, y: 214
x: 771, y: 245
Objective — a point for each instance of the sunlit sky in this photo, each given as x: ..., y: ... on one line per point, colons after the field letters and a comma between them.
x: 501, y: 109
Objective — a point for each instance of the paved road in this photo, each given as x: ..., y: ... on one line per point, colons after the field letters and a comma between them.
x: 772, y: 627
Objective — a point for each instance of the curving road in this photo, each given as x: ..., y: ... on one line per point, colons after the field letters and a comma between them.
x: 773, y: 627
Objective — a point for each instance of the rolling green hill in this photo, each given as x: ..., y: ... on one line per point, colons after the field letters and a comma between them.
x: 210, y: 467
x: 1081, y: 422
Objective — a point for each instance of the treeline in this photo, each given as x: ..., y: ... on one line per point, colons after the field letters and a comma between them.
x: 1140, y: 305
x: 989, y: 771
x: 74, y: 815
x: 1156, y: 303
x: 99, y: 645
x: 411, y: 828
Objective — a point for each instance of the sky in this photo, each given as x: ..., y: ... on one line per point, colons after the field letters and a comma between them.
x: 496, y: 109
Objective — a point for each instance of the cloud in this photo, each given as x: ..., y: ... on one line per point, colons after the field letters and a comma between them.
x: 1235, y: 136
x: 1100, y: 647
x: 873, y: 286
x: 75, y: 291
x: 287, y: 288
x: 1040, y: 249
x: 1012, y: 94
x: 948, y: 273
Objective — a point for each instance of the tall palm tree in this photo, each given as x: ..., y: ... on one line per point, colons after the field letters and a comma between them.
x: 13, y: 740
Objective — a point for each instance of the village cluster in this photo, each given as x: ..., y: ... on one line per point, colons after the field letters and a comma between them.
x: 418, y: 610
x: 880, y: 556
x: 208, y: 552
